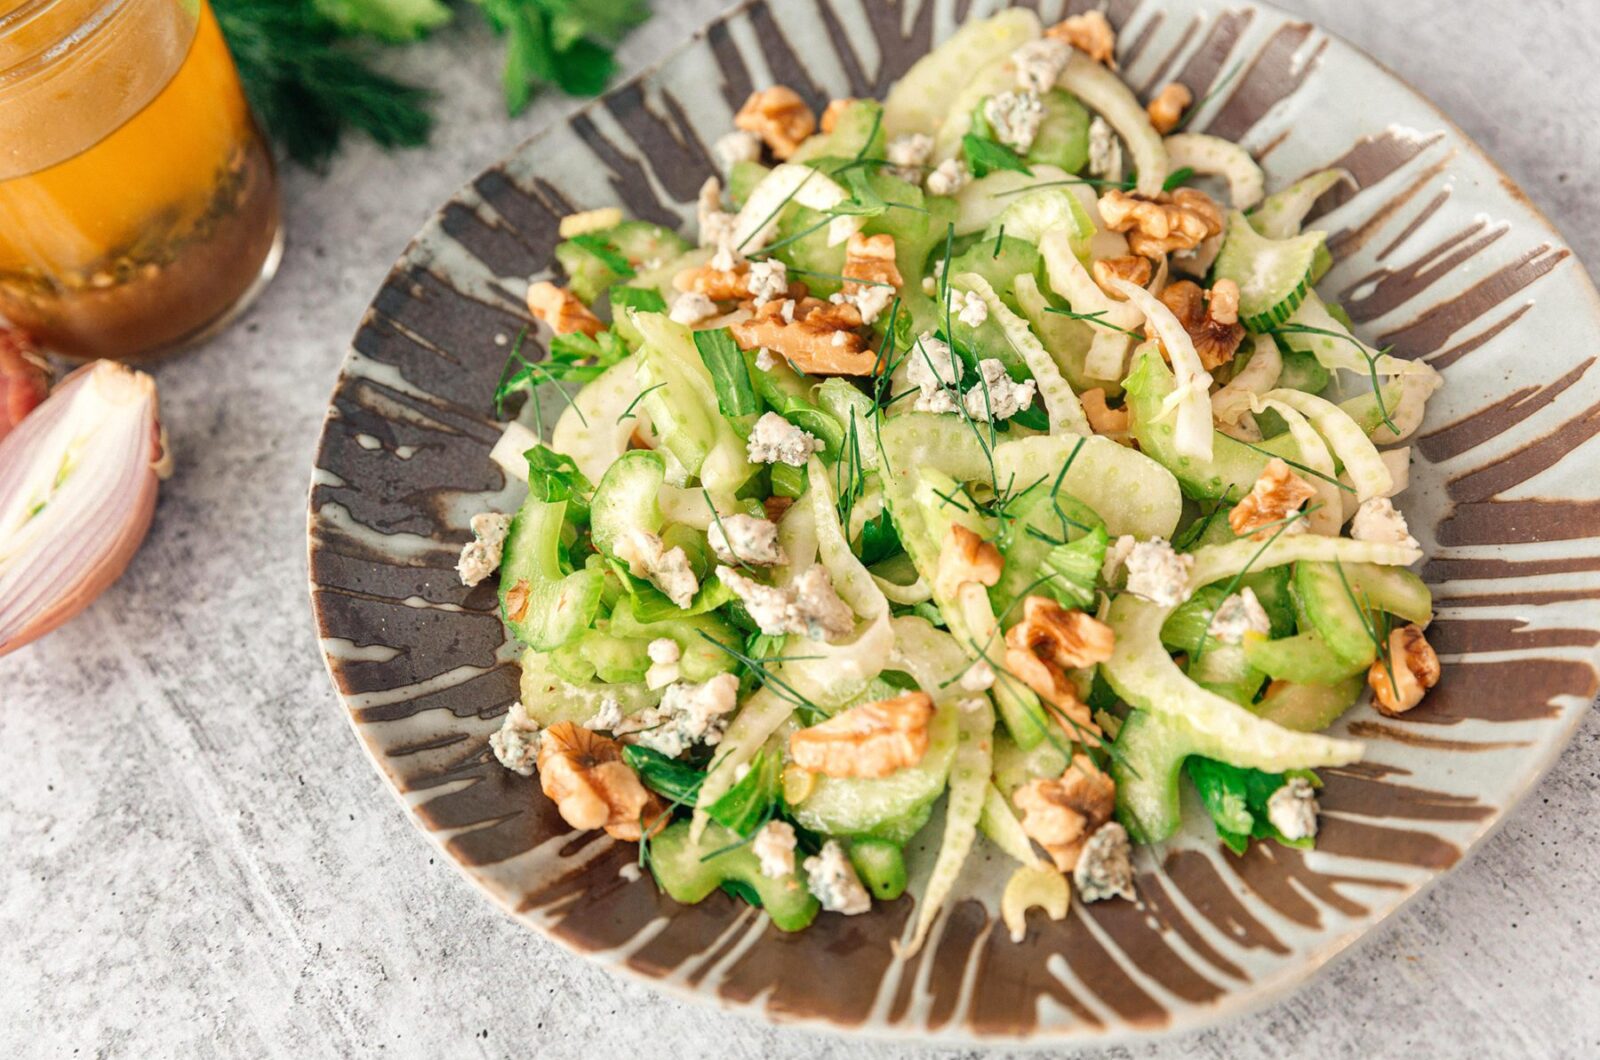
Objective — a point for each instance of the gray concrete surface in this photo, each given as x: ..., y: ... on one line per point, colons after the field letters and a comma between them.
x: 201, y: 862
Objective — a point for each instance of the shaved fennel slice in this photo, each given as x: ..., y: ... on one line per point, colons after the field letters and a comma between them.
x: 1326, y: 514
x: 1106, y: 93
x: 517, y: 439
x: 1108, y: 352
x: 921, y: 99
x: 797, y: 534
x: 969, y: 781
x: 1233, y: 402
x: 999, y: 822
x: 980, y: 201
x: 758, y: 718
x: 1192, y: 398
x: 997, y: 76
x: 896, y: 593
x: 931, y: 656
x: 1284, y: 212
x: 851, y: 580
x: 1212, y: 156
x: 791, y: 182
x: 1340, y: 349
x: 1033, y: 886
x: 1367, y: 471
x: 1062, y: 405
x: 1215, y: 562
x: 1131, y: 492
x: 591, y: 429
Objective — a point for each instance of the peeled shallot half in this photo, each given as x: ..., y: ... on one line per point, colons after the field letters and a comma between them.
x: 78, y: 482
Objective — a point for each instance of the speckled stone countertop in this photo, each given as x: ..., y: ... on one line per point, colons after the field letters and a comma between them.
x: 201, y: 861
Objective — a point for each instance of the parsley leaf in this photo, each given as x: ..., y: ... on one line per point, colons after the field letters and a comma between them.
x: 395, y: 21
x: 729, y: 374
x: 986, y: 156
x: 565, y: 43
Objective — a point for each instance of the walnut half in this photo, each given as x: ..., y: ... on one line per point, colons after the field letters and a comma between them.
x: 1090, y: 33
x: 1049, y: 641
x: 561, y: 309
x: 779, y: 116
x: 583, y: 774
x: 965, y: 557
x: 1277, y: 495
x: 1212, y: 322
x: 871, y: 740
x: 1060, y: 813
x: 817, y: 337
x: 1415, y: 670
x: 1172, y: 221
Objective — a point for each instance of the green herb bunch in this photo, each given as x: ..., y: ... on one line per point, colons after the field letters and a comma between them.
x: 310, y: 81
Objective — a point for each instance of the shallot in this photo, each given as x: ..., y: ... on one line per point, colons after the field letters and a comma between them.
x: 78, y: 483
x: 24, y: 378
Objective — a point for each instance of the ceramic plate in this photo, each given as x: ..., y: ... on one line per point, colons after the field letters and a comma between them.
x: 1439, y: 254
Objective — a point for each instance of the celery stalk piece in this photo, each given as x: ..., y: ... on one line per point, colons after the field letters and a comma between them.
x: 921, y: 100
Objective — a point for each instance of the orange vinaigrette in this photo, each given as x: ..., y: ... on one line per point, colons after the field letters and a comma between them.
x: 138, y: 202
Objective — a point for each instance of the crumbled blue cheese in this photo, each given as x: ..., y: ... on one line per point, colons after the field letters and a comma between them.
x: 689, y: 714
x: 745, y: 539
x: 774, y: 847
x: 667, y: 569
x: 1293, y: 808
x: 907, y: 154
x: 947, y: 178
x: 692, y: 307
x: 1237, y: 615
x: 870, y: 300
x: 997, y: 396
x: 1158, y: 573
x: 766, y: 360
x: 608, y: 717
x: 718, y: 227
x: 735, y: 147
x: 833, y: 880
x: 1015, y: 118
x: 969, y: 307
x: 516, y: 745
x: 1378, y: 520
x: 808, y: 605
x: 480, y: 557
x: 664, y: 654
x: 768, y: 281
x: 1105, y: 151
x: 978, y: 678
x: 1039, y: 63
x: 774, y: 440
x: 1105, y: 868
x: 933, y: 368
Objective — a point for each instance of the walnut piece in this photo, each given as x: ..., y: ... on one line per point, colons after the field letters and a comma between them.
x: 1132, y: 268
x: 775, y: 506
x: 871, y: 740
x: 870, y: 260
x: 583, y: 773
x: 1061, y: 813
x: 561, y: 309
x: 1090, y: 33
x: 779, y: 116
x: 965, y: 557
x: 1069, y: 639
x: 1277, y: 494
x: 833, y: 111
x: 1103, y: 419
x: 1166, y: 110
x: 1415, y: 667
x: 804, y: 333
x: 725, y: 285
x: 1172, y: 221
x: 1215, y: 340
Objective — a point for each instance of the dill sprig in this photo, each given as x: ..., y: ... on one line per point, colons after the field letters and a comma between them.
x: 1297, y: 465
x: 1372, y: 361
x: 812, y: 713
x: 628, y: 413
x: 1097, y: 317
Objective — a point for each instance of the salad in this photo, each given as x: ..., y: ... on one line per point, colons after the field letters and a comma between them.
x: 988, y: 449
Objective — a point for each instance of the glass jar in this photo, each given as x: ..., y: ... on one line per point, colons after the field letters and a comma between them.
x: 138, y: 201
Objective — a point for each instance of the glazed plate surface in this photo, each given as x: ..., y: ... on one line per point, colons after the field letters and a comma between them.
x: 1438, y: 254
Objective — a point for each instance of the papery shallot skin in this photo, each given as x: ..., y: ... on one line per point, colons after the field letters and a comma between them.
x: 64, y: 538
x: 24, y: 378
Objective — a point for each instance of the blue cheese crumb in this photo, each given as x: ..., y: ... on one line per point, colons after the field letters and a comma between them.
x: 774, y: 847
x: 774, y: 440
x: 1105, y: 868
x: 1292, y: 809
x: 833, y: 880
